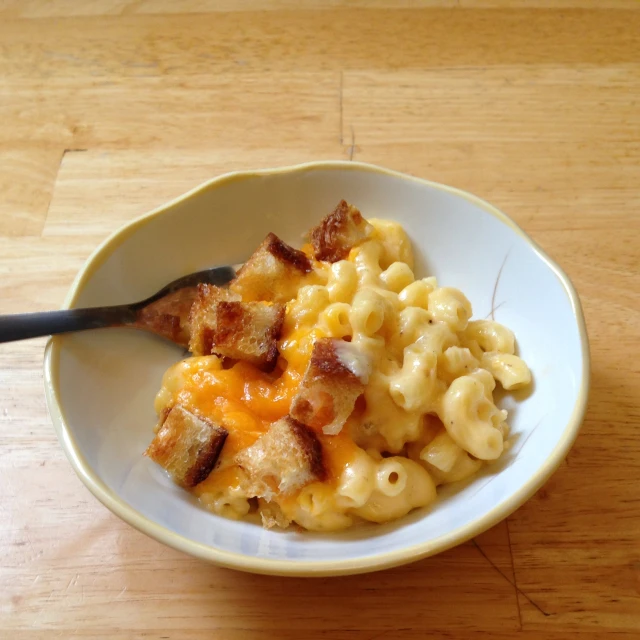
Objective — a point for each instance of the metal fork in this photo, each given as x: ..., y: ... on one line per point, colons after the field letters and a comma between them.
x: 164, y: 313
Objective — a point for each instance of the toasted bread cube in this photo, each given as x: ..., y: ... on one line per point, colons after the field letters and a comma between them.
x: 169, y: 316
x: 227, y: 327
x: 273, y: 273
x: 247, y: 331
x: 284, y: 459
x: 187, y: 446
x: 336, y: 375
x: 339, y: 232
x: 203, y: 316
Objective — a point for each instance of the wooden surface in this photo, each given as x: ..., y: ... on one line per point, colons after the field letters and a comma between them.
x: 110, y: 107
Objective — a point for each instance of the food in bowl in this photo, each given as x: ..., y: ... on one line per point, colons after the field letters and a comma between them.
x: 329, y: 386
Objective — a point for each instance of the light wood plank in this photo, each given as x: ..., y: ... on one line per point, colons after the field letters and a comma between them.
x: 151, y: 588
x: 66, y: 8
x: 35, y: 274
x: 400, y: 633
x: 350, y: 39
x: 27, y: 176
x: 211, y: 111
x: 97, y: 192
x: 497, y: 104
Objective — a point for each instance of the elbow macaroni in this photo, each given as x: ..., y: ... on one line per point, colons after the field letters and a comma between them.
x: 471, y: 418
x: 343, y: 281
x: 451, y: 307
x: 509, y: 370
x: 490, y: 336
x: 418, y: 490
x: 335, y: 320
x: 397, y: 276
x: 431, y: 365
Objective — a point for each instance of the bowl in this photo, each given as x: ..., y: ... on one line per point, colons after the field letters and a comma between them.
x: 100, y: 384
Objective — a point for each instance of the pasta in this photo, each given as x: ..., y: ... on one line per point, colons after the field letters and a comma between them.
x: 509, y: 370
x: 418, y: 490
x: 343, y: 281
x: 415, y: 372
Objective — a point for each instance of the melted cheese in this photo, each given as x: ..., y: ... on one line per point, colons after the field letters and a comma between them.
x: 358, y: 362
x: 244, y: 400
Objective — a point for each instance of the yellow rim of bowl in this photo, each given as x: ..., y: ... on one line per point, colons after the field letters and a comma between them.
x: 317, y: 568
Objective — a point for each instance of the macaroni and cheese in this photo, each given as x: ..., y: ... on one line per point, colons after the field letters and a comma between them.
x: 330, y: 385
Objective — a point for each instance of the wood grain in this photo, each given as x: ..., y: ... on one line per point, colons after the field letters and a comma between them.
x: 109, y: 108
x: 27, y: 176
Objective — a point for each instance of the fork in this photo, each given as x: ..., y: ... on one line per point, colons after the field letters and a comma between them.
x: 165, y: 313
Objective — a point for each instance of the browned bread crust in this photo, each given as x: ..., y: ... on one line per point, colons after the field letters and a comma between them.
x: 338, y: 233
x: 169, y: 316
x: 284, y: 459
x: 335, y: 377
x: 286, y: 253
x: 203, y: 316
x: 272, y: 273
x: 187, y: 446
x: 228, y: 327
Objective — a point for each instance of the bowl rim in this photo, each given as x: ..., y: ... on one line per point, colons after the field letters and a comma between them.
x: 269, y: 566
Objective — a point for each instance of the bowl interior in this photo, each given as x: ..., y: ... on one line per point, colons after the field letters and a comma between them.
x: 106, y: 379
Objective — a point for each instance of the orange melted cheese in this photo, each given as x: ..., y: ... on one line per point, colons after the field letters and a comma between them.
x: 245, y: 401
x: 223, y: 479
x: 296, y: 348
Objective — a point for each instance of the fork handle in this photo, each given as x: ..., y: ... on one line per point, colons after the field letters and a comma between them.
x: 32, y: 325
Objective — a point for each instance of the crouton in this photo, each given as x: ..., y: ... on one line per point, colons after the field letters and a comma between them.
x: 336, y: 375
x: 284, y: 459
x: 273, y: 273
x: 223, y: 325
x: 247, y: 331
x: 187, y: 446
x: 169, y: 316
x: 203, y: 316
x: 339, y: 232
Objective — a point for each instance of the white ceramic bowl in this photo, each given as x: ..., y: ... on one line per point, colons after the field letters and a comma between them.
x: 100, y: 384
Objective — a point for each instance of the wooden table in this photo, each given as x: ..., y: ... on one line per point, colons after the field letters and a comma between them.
x: 110, y: 107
